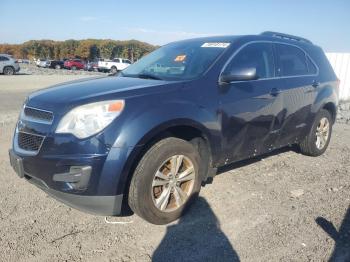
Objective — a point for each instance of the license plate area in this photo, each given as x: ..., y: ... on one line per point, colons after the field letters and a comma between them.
x: 16, y: 163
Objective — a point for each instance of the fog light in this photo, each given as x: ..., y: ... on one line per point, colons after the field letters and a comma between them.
x: 77, y: 178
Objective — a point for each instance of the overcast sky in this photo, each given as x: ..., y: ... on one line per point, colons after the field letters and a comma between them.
x: 325, y: 22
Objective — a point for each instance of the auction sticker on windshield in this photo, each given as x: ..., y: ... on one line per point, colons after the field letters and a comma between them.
x: 219, y: 45
x: 180, y: 58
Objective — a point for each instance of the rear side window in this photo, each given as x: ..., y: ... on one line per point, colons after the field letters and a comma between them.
x: 311, y: 66
x: 116, y: 60
x: 291, y: 61
x: 3, y: 58
x: 258, y: 55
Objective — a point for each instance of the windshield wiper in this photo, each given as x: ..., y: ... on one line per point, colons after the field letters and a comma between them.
x: 143, y: 75
x: 148, y: 76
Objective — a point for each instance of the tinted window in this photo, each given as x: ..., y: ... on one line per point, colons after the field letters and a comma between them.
x: 259, y: 55
x: 116, y: 60
x: 311, y: 66
x: 291, y: 61
x: 3, y: 58
x: 126, y: 61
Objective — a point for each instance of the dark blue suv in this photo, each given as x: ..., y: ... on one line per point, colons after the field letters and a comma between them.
x: 148, y: 138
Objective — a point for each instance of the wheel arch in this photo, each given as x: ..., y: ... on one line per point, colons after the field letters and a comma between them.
x: 6, y: 66
x: 332, y: 109
x: 327, y: 99
x: 185, y: 129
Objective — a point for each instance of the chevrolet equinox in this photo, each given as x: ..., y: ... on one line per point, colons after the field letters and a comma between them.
x: 149, y: 137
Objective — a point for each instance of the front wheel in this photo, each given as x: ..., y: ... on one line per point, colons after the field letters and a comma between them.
x: 113, y: 70
x: 9, y: 70
x: 316, y: 142
x: 165, y: 181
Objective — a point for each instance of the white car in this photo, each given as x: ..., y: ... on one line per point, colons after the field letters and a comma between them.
x: 42, y: 63
x: 8, y: 65
x: 117, y: 64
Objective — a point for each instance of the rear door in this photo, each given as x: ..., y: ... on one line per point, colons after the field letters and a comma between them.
x: 299, y: 76
x: 250, y: 110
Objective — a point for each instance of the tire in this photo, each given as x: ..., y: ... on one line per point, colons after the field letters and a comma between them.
x: 113, y: 70
x: 9, y: 70
x: 74, y: 68
x: 312, y: 145
x: 57, y: 67
x: 142, y: 192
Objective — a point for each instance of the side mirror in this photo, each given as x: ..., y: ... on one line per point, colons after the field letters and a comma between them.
x: 239, y: 74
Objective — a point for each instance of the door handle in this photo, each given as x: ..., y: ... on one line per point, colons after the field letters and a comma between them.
x: 315, y: 84
x: 275, y: 91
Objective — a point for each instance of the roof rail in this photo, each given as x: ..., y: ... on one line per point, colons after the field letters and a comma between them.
x: 285, y: 36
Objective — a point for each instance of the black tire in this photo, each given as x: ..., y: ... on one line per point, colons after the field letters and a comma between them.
x: 140, y: 191
x: 9, y: 70
x: 74, y: 68
x: 113, y: 70
x: 308, y: 145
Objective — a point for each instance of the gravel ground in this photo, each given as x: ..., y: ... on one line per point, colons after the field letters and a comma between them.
x: 31, y: 69
x: 281, y: 207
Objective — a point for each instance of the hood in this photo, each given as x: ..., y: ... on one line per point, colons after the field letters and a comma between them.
x: 89, y: 90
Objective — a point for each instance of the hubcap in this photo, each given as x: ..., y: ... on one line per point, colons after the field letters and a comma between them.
x: 322, y: 133
x: 173, y: 183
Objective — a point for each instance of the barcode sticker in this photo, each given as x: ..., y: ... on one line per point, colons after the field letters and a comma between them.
x: 217, y: 45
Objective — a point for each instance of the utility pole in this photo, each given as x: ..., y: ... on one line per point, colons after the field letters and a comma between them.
x: 131, y: 54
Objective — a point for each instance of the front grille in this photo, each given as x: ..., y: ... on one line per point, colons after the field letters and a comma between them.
x: 29, y: 142
x: 38, y: 114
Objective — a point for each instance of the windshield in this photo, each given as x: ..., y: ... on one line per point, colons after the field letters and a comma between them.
x: 177, y: 61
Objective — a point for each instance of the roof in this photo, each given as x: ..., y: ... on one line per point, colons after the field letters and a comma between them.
x: 268, y: 35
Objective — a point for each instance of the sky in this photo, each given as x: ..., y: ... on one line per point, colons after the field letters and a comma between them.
x: 324, y: 22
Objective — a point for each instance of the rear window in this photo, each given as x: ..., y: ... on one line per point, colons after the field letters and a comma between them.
x: 291, y: 61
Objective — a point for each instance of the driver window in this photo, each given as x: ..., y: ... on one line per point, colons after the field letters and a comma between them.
x: 257, y: 55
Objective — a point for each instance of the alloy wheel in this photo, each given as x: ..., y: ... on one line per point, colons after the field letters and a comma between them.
x: 173, y: 183
x: 322, y: 133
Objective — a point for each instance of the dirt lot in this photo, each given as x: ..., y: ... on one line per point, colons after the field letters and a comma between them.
x: 282, y: 207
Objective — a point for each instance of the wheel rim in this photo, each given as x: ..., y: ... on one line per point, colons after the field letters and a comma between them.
x: 8, y: 71
x: 173, y: 183
x: 322, y: 133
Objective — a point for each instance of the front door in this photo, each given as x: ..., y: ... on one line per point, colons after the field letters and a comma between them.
x: 250, y: 111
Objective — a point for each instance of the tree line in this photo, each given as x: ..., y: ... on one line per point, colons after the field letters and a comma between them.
x: 88, y: 49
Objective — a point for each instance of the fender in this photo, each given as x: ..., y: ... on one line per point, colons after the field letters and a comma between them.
x: 136, y: 132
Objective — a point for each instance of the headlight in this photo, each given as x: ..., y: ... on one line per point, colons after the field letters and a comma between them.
x: 87, y: 120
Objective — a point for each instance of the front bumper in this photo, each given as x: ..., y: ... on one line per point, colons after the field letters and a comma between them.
x: 94, y: 204
x: 97, y: 205
x: 88, y: 174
